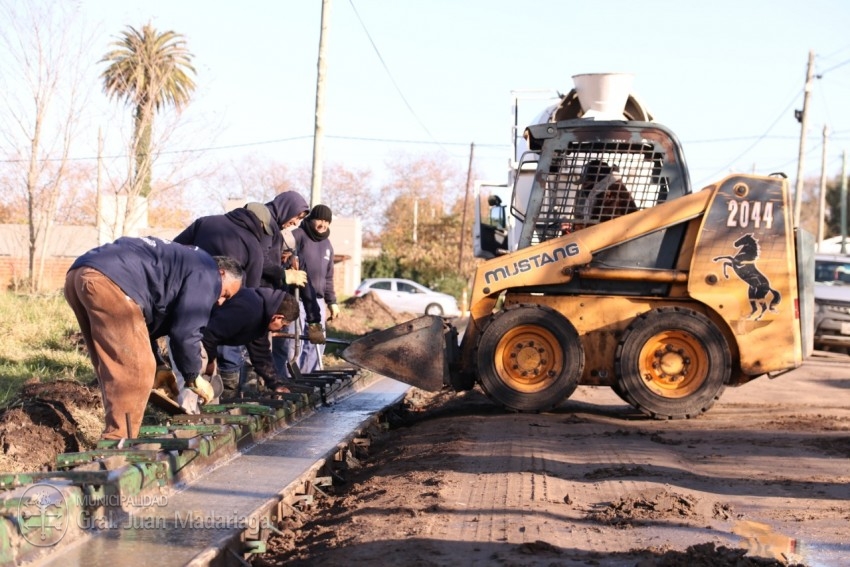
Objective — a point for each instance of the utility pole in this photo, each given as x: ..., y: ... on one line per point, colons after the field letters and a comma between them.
x: 822, y: 199
x: 415, y: 220
x: 465, y: 205
x: 318, y: 131
x: 803, y: 117
x: 843, y: 197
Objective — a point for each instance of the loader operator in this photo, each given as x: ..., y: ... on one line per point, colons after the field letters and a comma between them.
x: 133, y: 290
x: 602, y: 196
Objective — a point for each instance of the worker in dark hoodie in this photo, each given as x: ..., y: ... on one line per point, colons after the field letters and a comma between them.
x: 243, y: 235
x: 133, y: 290
x: 318, y: 302
x: 240, y: 234
x: 286, y: 210
x: 247, y: 319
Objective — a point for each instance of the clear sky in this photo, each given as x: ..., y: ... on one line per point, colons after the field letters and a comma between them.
x: 418, y: 76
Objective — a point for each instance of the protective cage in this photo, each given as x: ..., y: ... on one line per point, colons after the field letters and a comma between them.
x: 591, y: 182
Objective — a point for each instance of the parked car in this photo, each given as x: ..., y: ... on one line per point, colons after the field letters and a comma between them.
x: 406, y: 296
x: 832, y: 301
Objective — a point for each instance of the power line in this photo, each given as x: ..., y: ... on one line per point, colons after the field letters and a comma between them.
x: 737, y: 139
x: 759, y: 139
x: 834, y: 67
x: 838, y: 134
x: 390, y: 75
x: 277, y: 141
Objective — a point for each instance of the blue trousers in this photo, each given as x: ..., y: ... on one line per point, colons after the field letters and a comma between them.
x: 310, y: 357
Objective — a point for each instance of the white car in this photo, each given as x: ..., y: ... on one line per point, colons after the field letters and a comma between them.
x: 832, y: 301
x: 406, y: 296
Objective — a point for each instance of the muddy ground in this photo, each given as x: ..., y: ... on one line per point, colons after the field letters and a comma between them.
x: 761, y: 479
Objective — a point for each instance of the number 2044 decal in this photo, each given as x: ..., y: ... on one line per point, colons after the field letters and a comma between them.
x: 746, y: 214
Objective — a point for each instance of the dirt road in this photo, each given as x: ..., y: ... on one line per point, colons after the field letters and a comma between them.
x: 461, y: 482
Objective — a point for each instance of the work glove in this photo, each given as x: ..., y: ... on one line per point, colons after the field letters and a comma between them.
x: 334, y: 311
x: 295, y: 277
x: 165, y: 381
x: 201, y: 388
x: 315, y: 334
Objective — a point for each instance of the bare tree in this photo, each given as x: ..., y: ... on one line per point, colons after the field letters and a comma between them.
x: 42, y: 101
x: 422, y: 220
x: 350, y: 193
x: 248, y: 178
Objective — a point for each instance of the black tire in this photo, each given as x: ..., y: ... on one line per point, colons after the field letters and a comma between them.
x: 434, y: 309
x: 672, y: 363
x: 529, y: 358
x: 619, y: 391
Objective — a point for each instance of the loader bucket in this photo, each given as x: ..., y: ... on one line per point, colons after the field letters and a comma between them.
x: 414, y: 352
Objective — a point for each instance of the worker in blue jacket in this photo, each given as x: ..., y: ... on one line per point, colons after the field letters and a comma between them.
x: 239, y: 234
x: 133, y: 290
x: 245, y: 235
x: 247, y: 319
x: 287, y: 209
x: 315, y: 255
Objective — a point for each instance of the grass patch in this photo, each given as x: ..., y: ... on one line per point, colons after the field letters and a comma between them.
x: 37, y: 344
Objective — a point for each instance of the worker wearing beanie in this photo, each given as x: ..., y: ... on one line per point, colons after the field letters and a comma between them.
x: 315, y: 255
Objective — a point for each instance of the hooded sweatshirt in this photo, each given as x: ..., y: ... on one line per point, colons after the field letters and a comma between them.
x: 283, y: 207
x: 238, y: 234
x: 244, y: 320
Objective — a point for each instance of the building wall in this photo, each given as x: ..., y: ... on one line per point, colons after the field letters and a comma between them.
x: 13, y: 272
x: 346, y: 237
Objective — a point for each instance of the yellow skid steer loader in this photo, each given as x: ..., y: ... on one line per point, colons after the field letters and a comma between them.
x: 621, y: 276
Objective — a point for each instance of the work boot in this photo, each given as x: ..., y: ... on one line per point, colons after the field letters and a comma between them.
x: 230, y: 383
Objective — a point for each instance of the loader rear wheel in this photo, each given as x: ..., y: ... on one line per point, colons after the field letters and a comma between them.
x: 529, y: 358
x: 672, y: 363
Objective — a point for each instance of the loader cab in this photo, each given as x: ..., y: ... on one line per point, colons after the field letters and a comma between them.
x: 590, y: 172
x: 594, y: 155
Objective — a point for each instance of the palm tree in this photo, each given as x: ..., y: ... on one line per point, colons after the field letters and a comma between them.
x: 149, y: 70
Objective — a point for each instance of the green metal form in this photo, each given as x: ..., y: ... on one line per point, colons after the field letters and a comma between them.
x: 87, y: 486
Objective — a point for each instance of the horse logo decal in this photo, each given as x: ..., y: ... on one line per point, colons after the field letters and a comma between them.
x: 744, y: 265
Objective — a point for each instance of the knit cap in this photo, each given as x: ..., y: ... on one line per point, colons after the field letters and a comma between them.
x: 321, y: 212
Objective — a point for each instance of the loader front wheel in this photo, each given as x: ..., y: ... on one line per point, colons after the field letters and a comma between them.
x: 529, y: 358
x: 672, y: 363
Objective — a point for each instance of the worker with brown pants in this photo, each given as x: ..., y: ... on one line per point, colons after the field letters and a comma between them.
x: 130, y: 291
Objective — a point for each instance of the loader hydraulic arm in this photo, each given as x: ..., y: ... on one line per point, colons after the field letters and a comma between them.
x: 555, y: 261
